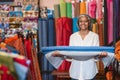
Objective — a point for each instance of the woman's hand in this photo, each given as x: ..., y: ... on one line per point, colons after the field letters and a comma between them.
x: 56, y: 54
x: 103, y: 54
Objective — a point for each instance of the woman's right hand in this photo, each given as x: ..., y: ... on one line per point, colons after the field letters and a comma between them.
x: 56, y: 54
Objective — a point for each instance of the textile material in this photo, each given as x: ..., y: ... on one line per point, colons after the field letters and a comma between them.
x: 56, y: 11
x: 92, y: 9
x: 75, y: 25
x: 63, y: 32
x: 51, y: 32
x: 78, y: 48
x: 69, y: 9
x: 62, y: 8
x: 79, y: 55
x: 101, y: 31
x: 77, y: 9
x: 8, y: 63
x: 46, y: 33
x: 99, y: 9
x: 42, y: 32
x: 110, y: 22
x: 82, y: 8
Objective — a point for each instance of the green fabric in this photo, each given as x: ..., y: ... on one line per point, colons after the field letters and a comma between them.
x: 62, y: 8
x: 8, y: 62
x: 56, y: 11
x: 69, y: 9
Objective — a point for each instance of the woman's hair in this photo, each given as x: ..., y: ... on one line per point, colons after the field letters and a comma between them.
x: 89, y: 19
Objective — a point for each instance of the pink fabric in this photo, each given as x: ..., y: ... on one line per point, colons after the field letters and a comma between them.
x: 99, y: 9
x: 110, y: 20
x: 92, y: 9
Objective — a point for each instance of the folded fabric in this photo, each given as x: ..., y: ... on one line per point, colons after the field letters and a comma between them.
x: 78, y: 55
x: 45, y: 50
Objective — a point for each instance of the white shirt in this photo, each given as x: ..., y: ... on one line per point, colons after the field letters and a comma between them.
x: 83, y: 70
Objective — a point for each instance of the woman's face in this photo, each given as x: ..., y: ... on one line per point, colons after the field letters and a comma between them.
x: 83, y: 23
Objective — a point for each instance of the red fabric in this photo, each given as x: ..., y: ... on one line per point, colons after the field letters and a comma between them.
x: 5, y: 73
x: 29, y: 56
x: 21, y: 61
x: 63, y: 32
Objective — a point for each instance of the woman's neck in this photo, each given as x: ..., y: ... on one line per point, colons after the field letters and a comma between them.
x: 83, y: 32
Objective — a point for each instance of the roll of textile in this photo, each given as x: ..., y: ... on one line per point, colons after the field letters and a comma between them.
x: 56, y: 11
x: 101, y: 32
x: 69, y: 9
x: 75, y: 26
x: 62, y: 8
x: 51, y: 32
x: 92, y: 9
x: 45, y: 50
x: 73, y: 8
x: 63, y: 31
x: 42, y: 32
x: 82, y: 7
x: 110, y: 22
x: 77, y: 9
x: 95, y: 28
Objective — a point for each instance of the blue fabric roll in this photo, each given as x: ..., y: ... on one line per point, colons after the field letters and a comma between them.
x: 75, y: 26
x: 42, y: 32
x: 51, y: 33
x: 45, y: 50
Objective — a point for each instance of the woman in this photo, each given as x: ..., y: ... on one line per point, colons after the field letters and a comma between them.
x: 83, y: 70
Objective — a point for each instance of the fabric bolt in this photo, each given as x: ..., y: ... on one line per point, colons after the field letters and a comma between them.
x: 27, y: 43
x: 101, y: 31
x: 56, y: 10
x: 95, y: 28
x: 35, y: 63
x: 42, y: 29
x: 82, y: 7
x: 46, y: 33
x: 73, y: 8
x: 62, y: 8
x: 99, y: 9
x: 63, y: 32
x: 116, y: 14
x: 75, y: 26
x: 110, y: 22
x: 69, y: 9
x: 105, y: 22
x: 51, y: 32
x: 92, y: 9
x: 76, y: 9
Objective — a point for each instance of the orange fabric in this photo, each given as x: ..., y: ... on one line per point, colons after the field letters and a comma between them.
x: 117, y: 53
x: 109, y: 75
x: 82, y: 7
x: 7, y: 40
